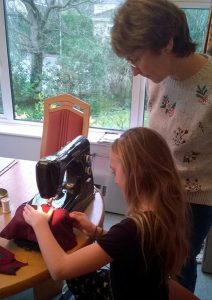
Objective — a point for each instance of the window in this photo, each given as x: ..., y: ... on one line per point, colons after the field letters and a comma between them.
x: 197, y: 21
x: 66, y: 49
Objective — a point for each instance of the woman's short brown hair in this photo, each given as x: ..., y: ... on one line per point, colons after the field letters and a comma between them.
x: 150, y: 25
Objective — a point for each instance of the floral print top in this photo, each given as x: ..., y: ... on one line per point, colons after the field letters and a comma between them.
x: 181, y: 111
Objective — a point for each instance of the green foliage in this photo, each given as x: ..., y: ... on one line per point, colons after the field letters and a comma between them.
x: 23, y: 91
x: 31, y: 113
x: 82, y: 64
x: 65, y: 52
x: 118, y: 119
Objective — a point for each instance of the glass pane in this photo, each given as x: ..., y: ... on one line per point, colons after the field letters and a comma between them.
x: 197, y: 22
x: 67, y: 50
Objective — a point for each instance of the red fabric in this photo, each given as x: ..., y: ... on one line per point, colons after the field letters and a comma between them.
x: 61, y: 225
x: 8, y: 263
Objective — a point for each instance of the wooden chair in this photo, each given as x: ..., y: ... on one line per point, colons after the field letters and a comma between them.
x: 178, y: 292
x: 65, y: 117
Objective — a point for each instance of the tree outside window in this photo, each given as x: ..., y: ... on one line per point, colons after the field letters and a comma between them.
x: 64, y: 47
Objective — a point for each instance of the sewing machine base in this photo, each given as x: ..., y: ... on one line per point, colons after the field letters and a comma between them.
x: 67, y: 201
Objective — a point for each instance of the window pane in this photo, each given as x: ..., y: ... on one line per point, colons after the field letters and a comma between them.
x: 197, y: 22
x: 66, y: 50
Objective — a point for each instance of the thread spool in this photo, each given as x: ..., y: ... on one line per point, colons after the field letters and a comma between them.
x: 3, y: 193
x: 5, y: 205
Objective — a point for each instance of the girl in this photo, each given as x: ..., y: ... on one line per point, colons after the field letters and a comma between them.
x: 147, y: 247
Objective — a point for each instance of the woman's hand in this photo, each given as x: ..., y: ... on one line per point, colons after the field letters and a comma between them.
x: 36, y: 216
x: 83, y: 223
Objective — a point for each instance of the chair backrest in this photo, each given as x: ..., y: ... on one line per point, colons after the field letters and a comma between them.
x: 178, y: 292
x: 65, y: 117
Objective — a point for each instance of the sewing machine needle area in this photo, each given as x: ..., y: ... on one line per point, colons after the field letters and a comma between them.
x: 65, y: 178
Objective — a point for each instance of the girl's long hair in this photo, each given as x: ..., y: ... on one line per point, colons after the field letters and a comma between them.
x: 151, y: 175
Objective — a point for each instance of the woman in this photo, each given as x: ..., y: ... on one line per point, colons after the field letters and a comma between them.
x: 153, y: 35
x: 146, y: 248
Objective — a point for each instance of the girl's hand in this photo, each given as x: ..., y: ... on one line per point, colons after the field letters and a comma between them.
x: 36, y: 216
x: 83, y: 223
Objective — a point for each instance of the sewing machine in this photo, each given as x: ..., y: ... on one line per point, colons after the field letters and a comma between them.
x: 65, y: 178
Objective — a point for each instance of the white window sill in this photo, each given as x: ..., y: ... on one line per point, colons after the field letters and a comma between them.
x: 34, y: 130
x: 18, y: 128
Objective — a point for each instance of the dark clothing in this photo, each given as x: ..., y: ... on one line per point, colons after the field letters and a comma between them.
x: 91, y: 286
x: 201, y: 220
x: 131, y: 276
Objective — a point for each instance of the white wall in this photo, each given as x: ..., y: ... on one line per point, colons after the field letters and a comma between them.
x: 20, y: 147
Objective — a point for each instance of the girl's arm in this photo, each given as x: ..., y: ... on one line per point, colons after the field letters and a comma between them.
x: 60, y: 264
x: 85, y: 225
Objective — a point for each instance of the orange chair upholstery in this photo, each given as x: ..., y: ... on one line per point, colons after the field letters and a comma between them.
x: 65, y: 117
x: 178, y: 292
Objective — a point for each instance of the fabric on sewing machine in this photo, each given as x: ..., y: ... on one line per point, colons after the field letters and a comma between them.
x: 8, y: 263
x: 60, y: 223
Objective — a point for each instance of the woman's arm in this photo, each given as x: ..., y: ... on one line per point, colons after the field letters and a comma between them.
x: 60, y: 264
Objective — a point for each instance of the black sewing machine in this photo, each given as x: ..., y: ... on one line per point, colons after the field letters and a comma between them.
x: 65, y: 178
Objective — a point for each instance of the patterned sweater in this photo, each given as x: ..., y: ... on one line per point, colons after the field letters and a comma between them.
x: 181, y: 111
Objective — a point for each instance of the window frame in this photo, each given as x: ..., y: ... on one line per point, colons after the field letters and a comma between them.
x: 4, y: 71
x: 138, y: 83
x: 193, y: 3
